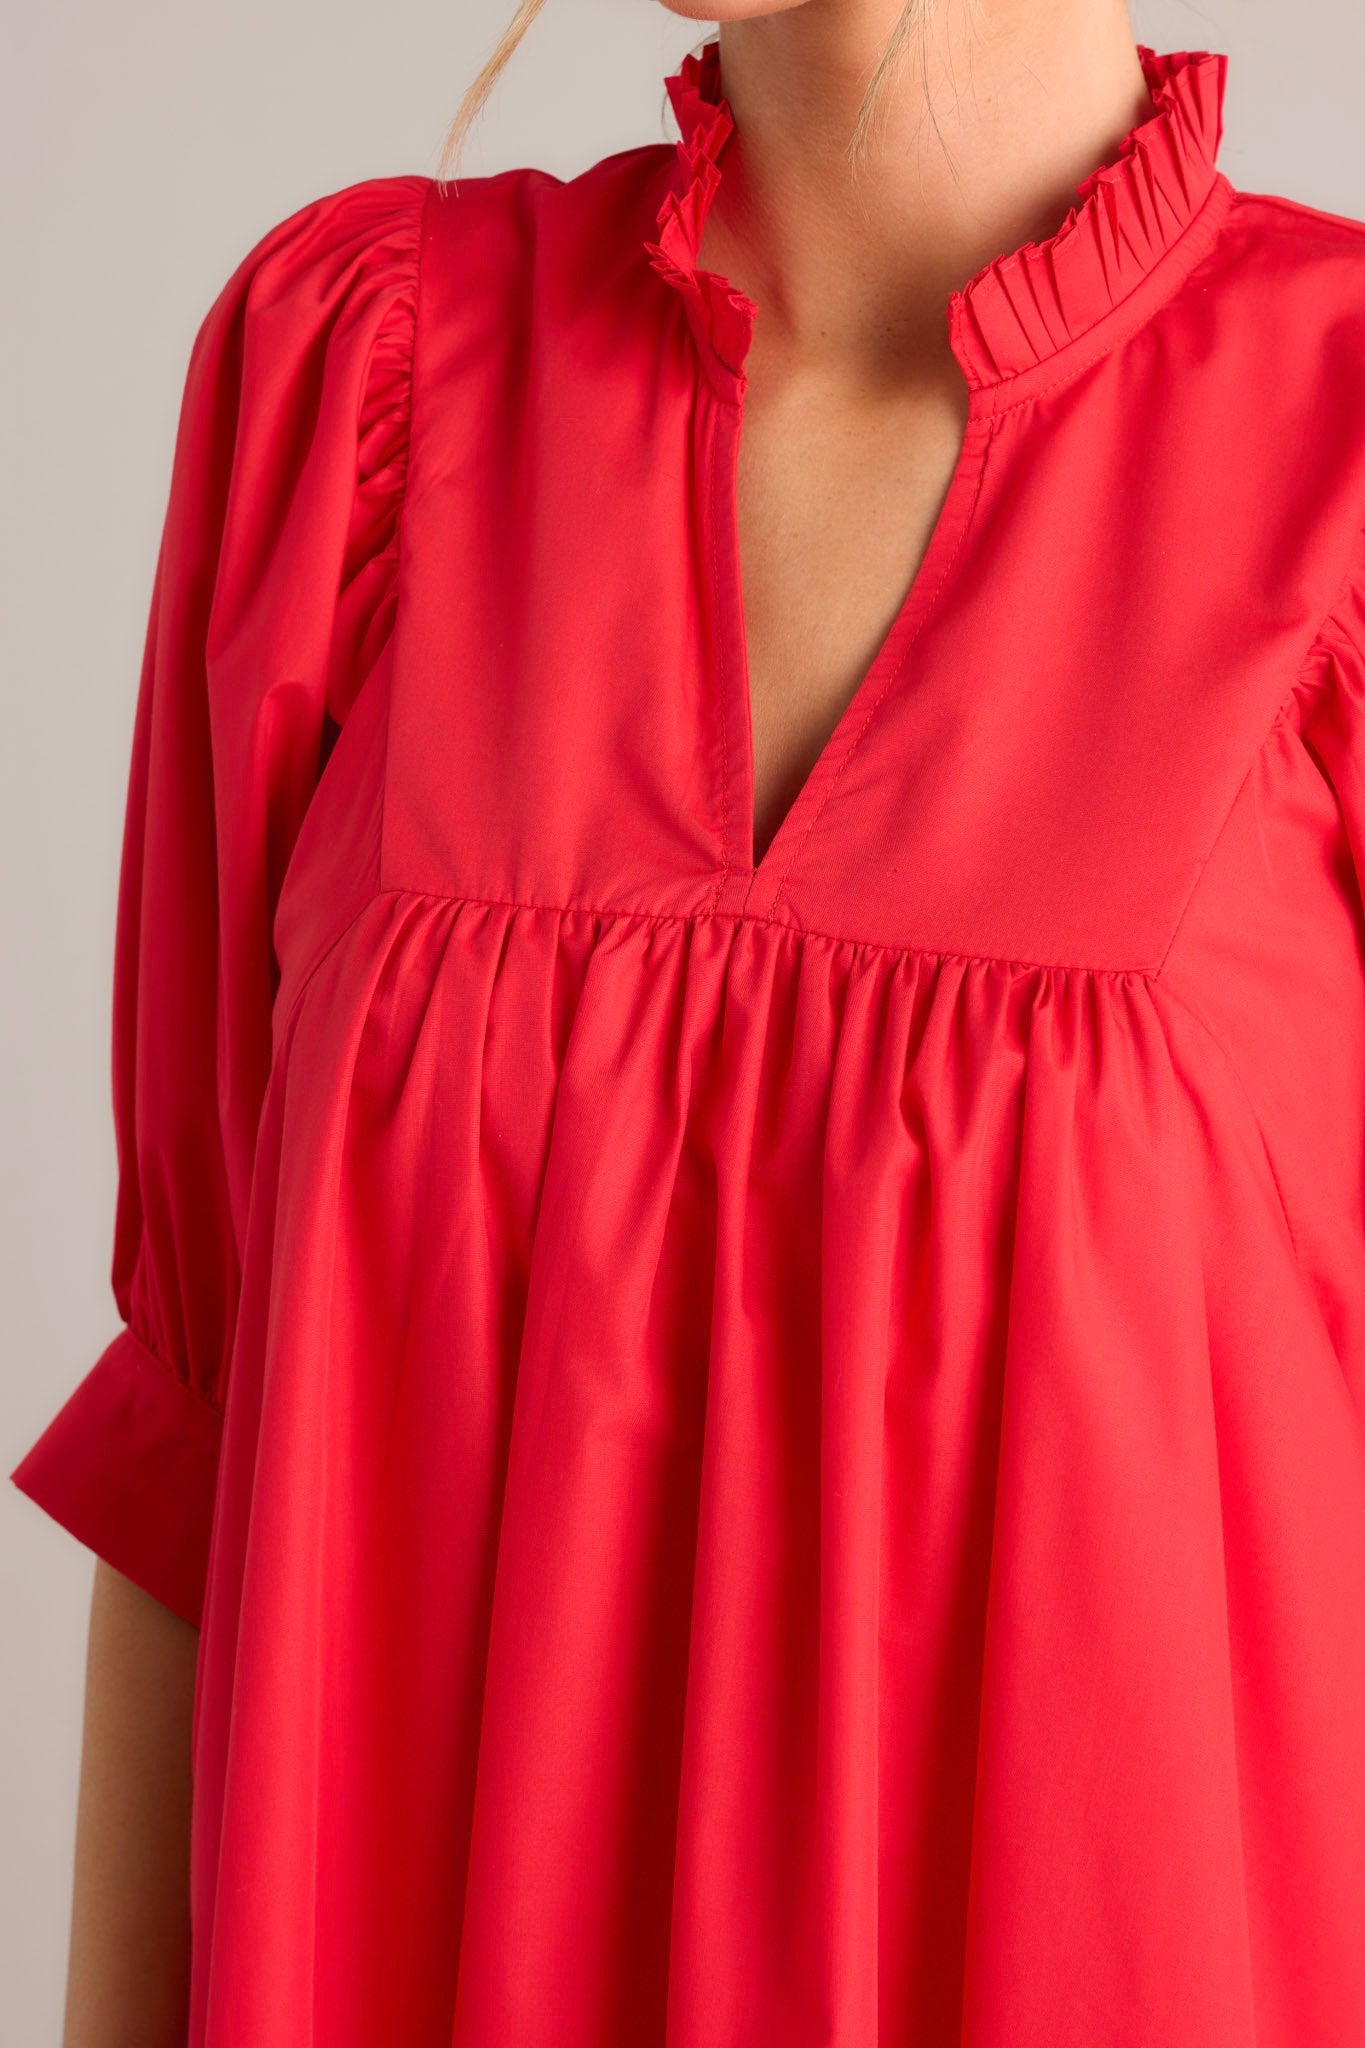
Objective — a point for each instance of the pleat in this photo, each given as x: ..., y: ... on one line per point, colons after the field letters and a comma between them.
x: 774, y: 1491
x: 746, y: 1816
x: 1107, y: 1878
x: 950, y: 1214
x: 281, y: 1559
x: 571, y: 1848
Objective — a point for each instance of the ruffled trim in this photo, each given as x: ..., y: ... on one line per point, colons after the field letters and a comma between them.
x: 1023, y: 307
x: 724, y: 315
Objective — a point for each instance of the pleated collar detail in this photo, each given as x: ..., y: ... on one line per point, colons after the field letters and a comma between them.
x: 1025, y: 307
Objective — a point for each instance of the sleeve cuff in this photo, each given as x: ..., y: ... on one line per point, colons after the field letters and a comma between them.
x: 129, y: 1466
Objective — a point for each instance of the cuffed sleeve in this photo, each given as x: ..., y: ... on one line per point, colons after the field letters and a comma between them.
x: 128, y: 1465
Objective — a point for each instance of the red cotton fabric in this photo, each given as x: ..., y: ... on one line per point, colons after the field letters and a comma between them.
x: 768, y: 1455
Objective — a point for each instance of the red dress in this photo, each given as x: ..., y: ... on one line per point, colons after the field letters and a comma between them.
x: 769, y: 1455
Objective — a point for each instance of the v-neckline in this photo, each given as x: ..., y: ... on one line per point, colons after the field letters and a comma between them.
x: 753, y: 887
x: 1013, y: 327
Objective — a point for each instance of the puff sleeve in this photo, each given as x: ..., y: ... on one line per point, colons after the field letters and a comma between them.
x: 272, y: 598
x: 1331, y: 708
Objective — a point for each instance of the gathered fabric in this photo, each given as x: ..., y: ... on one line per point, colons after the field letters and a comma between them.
x: 767, y: 1453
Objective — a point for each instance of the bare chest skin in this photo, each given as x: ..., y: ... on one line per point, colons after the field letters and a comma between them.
x: 839, y: 491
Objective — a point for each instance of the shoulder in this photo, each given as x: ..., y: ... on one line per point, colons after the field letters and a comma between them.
x: 331, y: 295
x: 310, y: 337
x: 1296, y: 275
x: 290, y: 457
x: 380, y: 234
x: 347, y: 242
x: 534, y: 218
x: 1302, y: 233
x: 1274, y: 318
x: 523, y: 259
x: 1299, y: 262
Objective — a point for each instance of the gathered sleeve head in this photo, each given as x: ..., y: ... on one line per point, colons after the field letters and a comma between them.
x: 1331, y: 707
x: 272, y: 601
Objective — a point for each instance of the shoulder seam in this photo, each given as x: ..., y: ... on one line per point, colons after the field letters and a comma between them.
x: 419, y: 272
x: 1350, y: 233
x: 1311, y: 669
x: 1288, y: 710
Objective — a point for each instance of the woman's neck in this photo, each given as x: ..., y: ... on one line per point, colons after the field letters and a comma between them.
x: 996, y: 111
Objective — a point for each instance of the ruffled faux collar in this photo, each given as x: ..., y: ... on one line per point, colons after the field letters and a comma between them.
x: 1024, y: 308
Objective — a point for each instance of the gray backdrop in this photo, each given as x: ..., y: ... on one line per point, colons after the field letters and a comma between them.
x: 149, y: 145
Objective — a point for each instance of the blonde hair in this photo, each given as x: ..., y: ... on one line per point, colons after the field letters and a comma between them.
x: 472, y: 104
